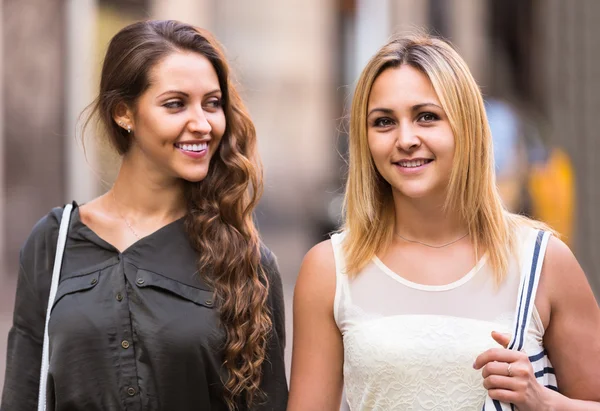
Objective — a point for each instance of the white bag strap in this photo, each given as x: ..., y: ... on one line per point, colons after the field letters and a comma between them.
x: 530, y: 278
x: 60, y: 249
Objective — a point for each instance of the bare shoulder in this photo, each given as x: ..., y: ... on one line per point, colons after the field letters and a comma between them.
x: 561, y: 269
x: 572, y: 337
x: 316, y: 279
x: 318, y: 353
x: 321, y: 257
x: 563, y: 280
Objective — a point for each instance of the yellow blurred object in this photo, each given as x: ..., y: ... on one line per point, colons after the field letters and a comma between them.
x: 552, y: 190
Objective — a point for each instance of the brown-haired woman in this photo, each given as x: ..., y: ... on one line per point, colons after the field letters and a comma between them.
x: 167, y: 300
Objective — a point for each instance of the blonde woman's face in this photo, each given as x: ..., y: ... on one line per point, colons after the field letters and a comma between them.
x: 409, y: 135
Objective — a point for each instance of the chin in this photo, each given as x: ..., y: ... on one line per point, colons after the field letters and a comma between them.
x: 194, y: 178
x: 415, y: 193
x: 193, y: 172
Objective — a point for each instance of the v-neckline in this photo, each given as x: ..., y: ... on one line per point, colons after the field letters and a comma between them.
x: 98, y: 239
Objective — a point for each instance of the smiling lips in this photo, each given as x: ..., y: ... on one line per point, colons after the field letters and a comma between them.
x: 195, y: 150
x: 419, y: 162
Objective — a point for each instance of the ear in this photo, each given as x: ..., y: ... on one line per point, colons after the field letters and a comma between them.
x: 123, y: 116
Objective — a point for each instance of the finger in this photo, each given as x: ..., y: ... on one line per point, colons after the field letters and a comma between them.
x: 496, y: 368
x: 496, y: 354
x: 501, y: 382
x: 505, y: 396
x: 501, y: 338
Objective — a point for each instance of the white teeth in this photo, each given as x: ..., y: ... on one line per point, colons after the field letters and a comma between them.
x: 412, y: 163
x: 193, y: 147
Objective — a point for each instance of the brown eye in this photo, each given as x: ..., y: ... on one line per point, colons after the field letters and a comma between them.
x: 173, y: 104
x: 214, y: 103
x: 428, y: 117
x: 383, y: 122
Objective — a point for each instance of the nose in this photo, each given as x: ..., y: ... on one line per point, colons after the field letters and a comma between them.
x: 407, y: 138
x: 198, y: 122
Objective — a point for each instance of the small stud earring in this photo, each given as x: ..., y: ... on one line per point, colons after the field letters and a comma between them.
x: 128, y: 129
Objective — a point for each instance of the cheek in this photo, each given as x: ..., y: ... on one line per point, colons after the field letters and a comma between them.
x: 450, y: 149
x: 445, y: 145
x: 380, y: 150
x: 217, y: 123
x: 159, y: 126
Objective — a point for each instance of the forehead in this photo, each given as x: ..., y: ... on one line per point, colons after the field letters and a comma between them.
x: 184, y: 71
x: 404, y: 85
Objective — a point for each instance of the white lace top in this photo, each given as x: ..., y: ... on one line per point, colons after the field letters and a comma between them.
x: 410, y: 346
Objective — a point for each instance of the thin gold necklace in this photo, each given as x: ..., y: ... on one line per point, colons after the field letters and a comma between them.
x: 429, y: 245
x: 122, y: 216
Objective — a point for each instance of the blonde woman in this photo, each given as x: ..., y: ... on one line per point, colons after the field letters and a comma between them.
x: 433, y: 296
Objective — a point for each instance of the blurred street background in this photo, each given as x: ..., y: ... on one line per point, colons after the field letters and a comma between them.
x: 537, y: 61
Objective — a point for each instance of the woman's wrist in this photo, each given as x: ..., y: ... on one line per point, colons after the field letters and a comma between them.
x: 551, y: 400
x: 555, y: 401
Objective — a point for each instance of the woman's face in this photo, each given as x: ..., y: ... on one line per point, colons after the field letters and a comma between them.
x: 409, y: 135
x: 178, y: 121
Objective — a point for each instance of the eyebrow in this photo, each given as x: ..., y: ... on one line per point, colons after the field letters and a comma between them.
x: 416, y: 107
x: 184, y: 94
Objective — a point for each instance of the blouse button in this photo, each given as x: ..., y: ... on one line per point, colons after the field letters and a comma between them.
x: 125, y: 344
x: 119, y: 297
x: 94, y: 281
x: 209, y: 303
x: 140, y: 281
x: 131, y: 391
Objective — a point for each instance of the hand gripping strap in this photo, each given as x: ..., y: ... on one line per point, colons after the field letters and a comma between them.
x: 530, y: 278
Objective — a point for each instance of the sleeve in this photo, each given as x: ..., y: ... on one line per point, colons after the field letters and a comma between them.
x: 274, y: 382
x: 25, y: 338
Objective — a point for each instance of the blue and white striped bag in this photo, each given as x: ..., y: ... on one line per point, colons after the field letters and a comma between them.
x: 530, y: 278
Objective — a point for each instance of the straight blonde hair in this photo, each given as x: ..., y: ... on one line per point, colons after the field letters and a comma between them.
x: 369, y: 215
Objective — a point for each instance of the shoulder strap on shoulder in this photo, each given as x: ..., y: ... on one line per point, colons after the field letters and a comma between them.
x: 60, y: 249
x: 530, y: 278
x: 337, y: 242
x: 341, y: 280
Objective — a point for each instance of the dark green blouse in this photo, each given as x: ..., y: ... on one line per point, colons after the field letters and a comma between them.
x: 136, y: 330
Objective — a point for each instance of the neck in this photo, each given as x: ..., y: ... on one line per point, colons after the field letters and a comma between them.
x: 141, y: 193
x: 426, y: 221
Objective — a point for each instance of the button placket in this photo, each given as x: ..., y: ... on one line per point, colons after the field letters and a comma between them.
x: 128, y: 364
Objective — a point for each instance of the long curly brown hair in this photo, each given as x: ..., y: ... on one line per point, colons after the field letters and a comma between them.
x: 220, y: 207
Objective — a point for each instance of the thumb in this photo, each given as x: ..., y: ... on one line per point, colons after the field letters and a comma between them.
x: 500, y: 338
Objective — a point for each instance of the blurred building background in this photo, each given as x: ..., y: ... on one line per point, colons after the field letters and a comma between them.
x: 296, y: 62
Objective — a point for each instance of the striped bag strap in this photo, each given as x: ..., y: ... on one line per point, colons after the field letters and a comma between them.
x: 60, y: 249
x: 530, y: 278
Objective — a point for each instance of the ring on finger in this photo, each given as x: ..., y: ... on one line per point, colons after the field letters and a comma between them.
x: 508, y: 370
